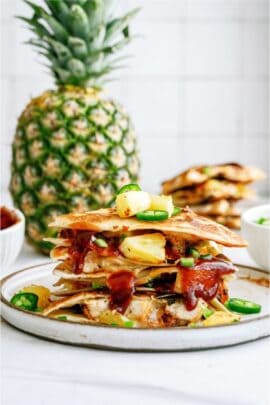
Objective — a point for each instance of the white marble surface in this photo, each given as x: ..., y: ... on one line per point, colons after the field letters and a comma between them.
x: 37, y: 372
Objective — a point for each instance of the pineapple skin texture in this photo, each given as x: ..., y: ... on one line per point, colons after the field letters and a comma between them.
x: 73, y: 149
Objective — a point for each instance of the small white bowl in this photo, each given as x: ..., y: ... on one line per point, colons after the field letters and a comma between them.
x: 258, y: 236
x: 11, y: 241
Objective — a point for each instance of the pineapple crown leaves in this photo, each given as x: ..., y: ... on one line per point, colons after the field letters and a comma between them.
x: 79, y: 38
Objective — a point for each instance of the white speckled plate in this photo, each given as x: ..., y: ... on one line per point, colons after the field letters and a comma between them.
x: 250, y: 328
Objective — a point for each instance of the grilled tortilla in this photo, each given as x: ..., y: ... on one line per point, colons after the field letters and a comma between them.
x: 233, y: 222
x: 199, y: 174
x: 144, y: 310
x: 215, y: 208
x: 185, y: 225
x: 211, y: 190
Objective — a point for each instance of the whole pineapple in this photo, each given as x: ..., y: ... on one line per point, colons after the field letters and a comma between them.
x: 73, y: 148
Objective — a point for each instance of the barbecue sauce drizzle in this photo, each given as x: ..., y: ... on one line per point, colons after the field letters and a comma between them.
x: 81, y: 243
x: 122, y: 286
x: 200, y: 281
x: 203, y: 280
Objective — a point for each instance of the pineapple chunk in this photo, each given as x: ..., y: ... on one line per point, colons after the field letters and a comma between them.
x: 113, y: 318
x: 162, y: 203
x: 208, y: 247
x: 148, y: 248
x: 132, y: 202
x: 221, y: 318
x: 43, y: 294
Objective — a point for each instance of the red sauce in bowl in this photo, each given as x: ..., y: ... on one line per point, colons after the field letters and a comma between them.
x: 7, y: 218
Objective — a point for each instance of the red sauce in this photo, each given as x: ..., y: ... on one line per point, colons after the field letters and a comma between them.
x: 122, y: 286
x: 7, y: 218
x: 82, y: 243
x: 79, y: 249
x: 172, y: 253
x: 110, y: 250
x: 203, y: 280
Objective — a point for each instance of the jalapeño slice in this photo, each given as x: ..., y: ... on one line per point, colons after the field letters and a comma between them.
x: 152, y: 215
x: 129, y: 187
x: 243, y: 306
x: 27, y: 301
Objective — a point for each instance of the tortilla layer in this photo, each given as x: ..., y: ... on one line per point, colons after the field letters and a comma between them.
x: 185, y: 225
x: 220, y: 207
x: 212, y: 190
x: 199, y: 174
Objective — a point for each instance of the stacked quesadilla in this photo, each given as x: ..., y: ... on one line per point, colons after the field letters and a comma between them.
x: 213, y: 191
x: 132, y: 272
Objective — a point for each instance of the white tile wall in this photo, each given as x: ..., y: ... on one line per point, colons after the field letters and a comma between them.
x: 212, y: 49
x: 160, y: 50
x: 255, y: 50
x: 197, y: 86
x: 213, y: 108
x: 158, y: 112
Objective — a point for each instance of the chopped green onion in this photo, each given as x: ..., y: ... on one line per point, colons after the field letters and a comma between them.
x: 129, y: 324
x: 122, y: 237
x: 96, y: 285
x: 187, y: 261
x: 113, y: 324
x: 62, y: 318
x: 27, y: 301
x: 263, y: 221
x: 207, y: 312
x: 152, y: 215
x: 207, y: 170
x: 129, y: 187
x: 243, y: 306
x: 150, y: 284
x: 194, y: 252
x: 176, y: 211
x: 266, y: 222
x: 206, y: 257
x: 193, y: 325
x: 101, y: 242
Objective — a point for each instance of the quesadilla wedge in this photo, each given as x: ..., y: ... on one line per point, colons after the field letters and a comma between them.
x: 186, y: 224
x: 215, y: 208
x: 145, y: 273
x: 233, y: 172
x: 212, y: 190
x: 232, y: 222
x: 222, y: 211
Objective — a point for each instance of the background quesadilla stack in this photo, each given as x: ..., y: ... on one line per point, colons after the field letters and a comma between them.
x: 128, y: 272
x: 213, y: 191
